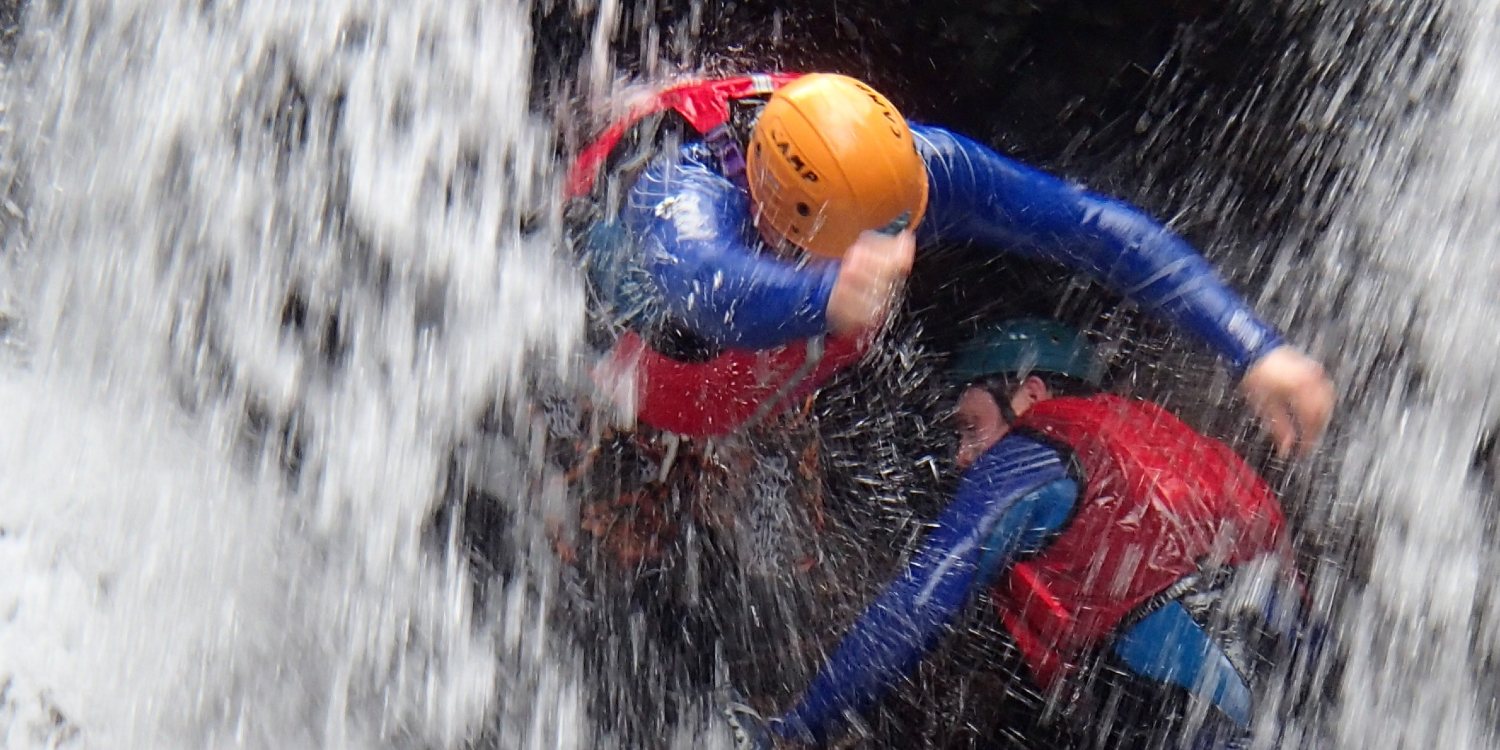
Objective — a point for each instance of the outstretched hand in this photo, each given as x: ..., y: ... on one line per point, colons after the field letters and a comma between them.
x: 870, y: 279
x: 1293, y: 397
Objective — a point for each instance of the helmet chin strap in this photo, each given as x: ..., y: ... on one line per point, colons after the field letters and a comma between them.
x: 1002, y: 400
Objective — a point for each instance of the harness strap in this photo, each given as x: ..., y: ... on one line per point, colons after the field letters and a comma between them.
x: 1206, y: 578
x: 725, y: 146
x: 727, y: 141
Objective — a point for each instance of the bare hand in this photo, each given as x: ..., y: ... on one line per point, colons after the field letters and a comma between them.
x: 870, y: 278
x: 1293, y: 397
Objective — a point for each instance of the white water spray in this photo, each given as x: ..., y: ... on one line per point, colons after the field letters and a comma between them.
x: 1421, y: 632
x: 275, y: 261
x: 1400, y: 290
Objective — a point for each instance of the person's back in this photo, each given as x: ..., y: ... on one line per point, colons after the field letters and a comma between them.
x: 1144, y: 581
x: 1159, y: 503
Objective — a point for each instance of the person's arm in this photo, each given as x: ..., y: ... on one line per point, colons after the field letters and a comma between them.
x: 694, y: 228
x: 978, y: 195
x: 1009, y: 500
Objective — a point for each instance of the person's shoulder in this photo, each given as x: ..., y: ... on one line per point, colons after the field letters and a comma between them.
x: 689, y: 154
x: 948, y: 151
x: 688, y: 165
x: 936, y: 138
x: 684, y: 190
x: 1017, y: 449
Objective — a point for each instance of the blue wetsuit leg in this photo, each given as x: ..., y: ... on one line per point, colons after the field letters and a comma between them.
x: 1169, y: 646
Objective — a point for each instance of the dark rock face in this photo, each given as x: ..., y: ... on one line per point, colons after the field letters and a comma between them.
x: 10, y: 21
x: 1052, y: 81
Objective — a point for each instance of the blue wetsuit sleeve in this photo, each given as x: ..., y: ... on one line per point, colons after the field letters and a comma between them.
x: 697, y: 244
x: 1028, y: 526
x: 974, y: 537
x: 980, y: 196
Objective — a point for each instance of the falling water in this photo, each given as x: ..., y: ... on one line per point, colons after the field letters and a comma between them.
x: 1413, y: 241
x: 1388, y: 271
x: 265, y: 266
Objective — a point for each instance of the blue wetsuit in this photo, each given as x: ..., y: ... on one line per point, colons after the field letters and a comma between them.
x: 694, y: 257
x: 1009, y: 503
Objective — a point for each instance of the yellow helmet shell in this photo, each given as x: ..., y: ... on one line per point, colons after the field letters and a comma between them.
x: 831, y: 157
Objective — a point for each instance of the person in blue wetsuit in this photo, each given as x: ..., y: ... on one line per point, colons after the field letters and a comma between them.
x: 753, y: 250
x: 1105, y: 531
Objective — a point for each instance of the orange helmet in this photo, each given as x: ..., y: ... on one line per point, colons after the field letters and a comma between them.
x: 829, y: 158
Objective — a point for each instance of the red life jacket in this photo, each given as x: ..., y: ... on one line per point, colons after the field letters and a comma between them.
x: 1159, y: 502
x: 739, y: 385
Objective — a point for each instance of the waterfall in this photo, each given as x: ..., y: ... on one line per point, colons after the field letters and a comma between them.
x: 1414, y: 233
x: 266, y: 264
x: 1386, y: 268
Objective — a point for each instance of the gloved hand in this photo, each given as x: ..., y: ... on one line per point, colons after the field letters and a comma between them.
x: 870, y: 278
x: 1293, y: 397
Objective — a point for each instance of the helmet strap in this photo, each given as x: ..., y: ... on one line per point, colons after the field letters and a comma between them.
x: 728, y: 141
x: 1000, y: 392
x: 1006, y: 412
x: 726, y: 148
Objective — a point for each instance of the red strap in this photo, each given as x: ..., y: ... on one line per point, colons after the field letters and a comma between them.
x: 704, y: 104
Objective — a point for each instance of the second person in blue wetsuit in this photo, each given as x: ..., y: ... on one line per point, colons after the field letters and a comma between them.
x: 756, y: 250
x: 1107, y: 532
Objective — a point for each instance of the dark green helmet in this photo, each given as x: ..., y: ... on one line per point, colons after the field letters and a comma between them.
x: 1027, y: 346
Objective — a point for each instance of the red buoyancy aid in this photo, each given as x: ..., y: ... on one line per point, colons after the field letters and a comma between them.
x: 739, y: 385
x: 1159, y: 502
x: 730, y: 390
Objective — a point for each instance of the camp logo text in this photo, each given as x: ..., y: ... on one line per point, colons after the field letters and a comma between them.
x: 887, y: 112
x: 784, y: 147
